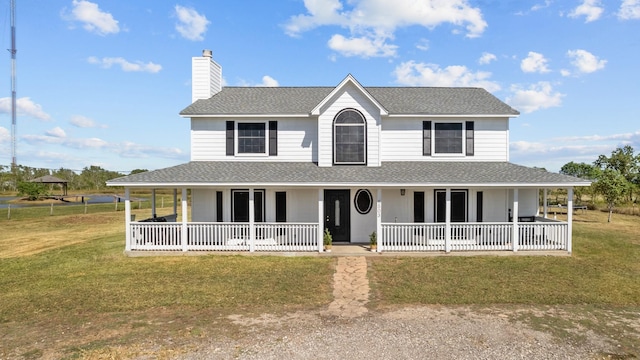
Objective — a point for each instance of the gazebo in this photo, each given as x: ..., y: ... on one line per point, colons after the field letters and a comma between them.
x: 48, y: 179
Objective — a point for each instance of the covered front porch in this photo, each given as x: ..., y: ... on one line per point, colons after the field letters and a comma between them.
x: 266, y: 231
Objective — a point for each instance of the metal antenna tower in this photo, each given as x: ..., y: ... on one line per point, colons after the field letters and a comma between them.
x: 13, y: 52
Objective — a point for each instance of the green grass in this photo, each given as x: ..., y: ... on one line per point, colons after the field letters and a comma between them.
x: 95, y: 277
x: 603, y: 270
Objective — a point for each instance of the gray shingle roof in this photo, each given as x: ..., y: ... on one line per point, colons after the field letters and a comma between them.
x: 397, y: 100
x: 200, y: 173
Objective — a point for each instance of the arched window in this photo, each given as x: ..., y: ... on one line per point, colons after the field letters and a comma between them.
x: 349, y: 138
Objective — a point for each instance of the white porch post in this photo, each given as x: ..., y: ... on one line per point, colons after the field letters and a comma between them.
x: 252, y: 220
x: 379, y: 221
x: 544, y: 204
x: 515, y: 234
x: 127, y: 219
x: 320, y: 219
x: 153, y: 203
x: 175, y: 201
x: 447, y: 224
x: 569, y: 218
x: 183, y: 207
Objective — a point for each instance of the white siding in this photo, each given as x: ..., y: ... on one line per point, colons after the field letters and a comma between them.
x: 302, y: 205
x: 349, y: 97
x: 296, y: 140
x: 203, y: 205
x: 402, y: 140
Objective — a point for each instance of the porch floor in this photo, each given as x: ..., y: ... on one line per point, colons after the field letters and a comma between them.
x: 340, y: 250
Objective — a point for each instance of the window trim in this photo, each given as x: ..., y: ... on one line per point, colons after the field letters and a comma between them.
x: 466, y: 204
x: 366, y: 193
x: 236, y: 138
x: 333, y: 137
x: 429, y: 136
x: 264, y: 201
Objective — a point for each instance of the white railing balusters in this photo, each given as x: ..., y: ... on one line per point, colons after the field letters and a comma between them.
x: 206, y: 236
x: 474, y: 236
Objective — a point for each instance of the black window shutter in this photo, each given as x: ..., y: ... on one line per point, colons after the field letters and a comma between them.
x: 426, y: 138
x: 470, y: 138
x: 230, y: 136
x: 418, y: 207
x: 219, y: 217
x: 281, y: 206
x: 479, y: 206
x: 273, y: 138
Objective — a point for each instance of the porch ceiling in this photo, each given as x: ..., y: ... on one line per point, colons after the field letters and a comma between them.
x: 390, y: 174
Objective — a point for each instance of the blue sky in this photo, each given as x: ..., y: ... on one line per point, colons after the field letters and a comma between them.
x: 101, y: 82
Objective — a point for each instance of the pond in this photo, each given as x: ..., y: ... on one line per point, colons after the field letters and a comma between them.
x: 71, y: 200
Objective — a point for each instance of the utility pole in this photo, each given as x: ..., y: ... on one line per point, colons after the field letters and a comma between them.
x: 13, y: 52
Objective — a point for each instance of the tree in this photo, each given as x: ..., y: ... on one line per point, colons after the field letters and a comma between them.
x: 612, y: 185
x: 137, y: 171
x: 583, y: 171
x: 73, y: 179
x: 95, y: 177
x: 624, y: 162
x: 31, y: 190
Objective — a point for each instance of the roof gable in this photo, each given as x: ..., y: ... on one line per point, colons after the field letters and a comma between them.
x: 349, y: 80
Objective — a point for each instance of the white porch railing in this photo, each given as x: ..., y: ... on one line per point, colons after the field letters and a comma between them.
x: 204, y: 236
x: 544, y: 235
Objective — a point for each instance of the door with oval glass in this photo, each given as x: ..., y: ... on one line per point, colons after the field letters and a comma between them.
x: 337, y: 214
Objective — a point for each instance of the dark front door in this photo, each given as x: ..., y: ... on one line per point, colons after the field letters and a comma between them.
x: 337, y: 214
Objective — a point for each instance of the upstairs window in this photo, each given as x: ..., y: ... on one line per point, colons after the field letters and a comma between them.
x: 448, y: 138
x: 251, y: 138
x: 349, y: 138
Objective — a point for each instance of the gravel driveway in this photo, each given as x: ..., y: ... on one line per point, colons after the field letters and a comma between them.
x: 409, y: 333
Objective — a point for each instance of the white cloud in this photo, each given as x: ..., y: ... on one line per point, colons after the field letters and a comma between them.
x: 4, y: 135
x: 128, y: 149
x: 537, y: 96
x: 85, y: 122
x: 93, y: 19
x: 371, y: 23
x: 125, y: 65
x: 268, y: 81
x: 534, y: 62
x: 629, y: 10
x: 487, y: 58
x: 362, y: 46
x: 24, y: 107
x: 423, y: 45
x: 191, y: 25
x: 420, y: 74
x: 56, y: 132
x: 552, y: 153
x: 125, y: 149
x: 74, y: 143
x: 585, y: 62
x: 537, y: 7
x: 590, y: 9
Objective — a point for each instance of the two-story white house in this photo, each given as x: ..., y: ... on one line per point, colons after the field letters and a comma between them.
x: 425, y: 168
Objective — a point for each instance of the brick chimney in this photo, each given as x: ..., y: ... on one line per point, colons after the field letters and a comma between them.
x: 206, y: 76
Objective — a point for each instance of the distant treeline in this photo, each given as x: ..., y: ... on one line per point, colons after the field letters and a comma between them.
x: 90, y: 178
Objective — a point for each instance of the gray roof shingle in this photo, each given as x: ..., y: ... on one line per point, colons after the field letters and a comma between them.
x: 396, y: 100
x: 200, y: 173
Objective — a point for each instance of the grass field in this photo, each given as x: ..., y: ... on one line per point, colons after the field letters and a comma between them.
x: 66, y: 282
